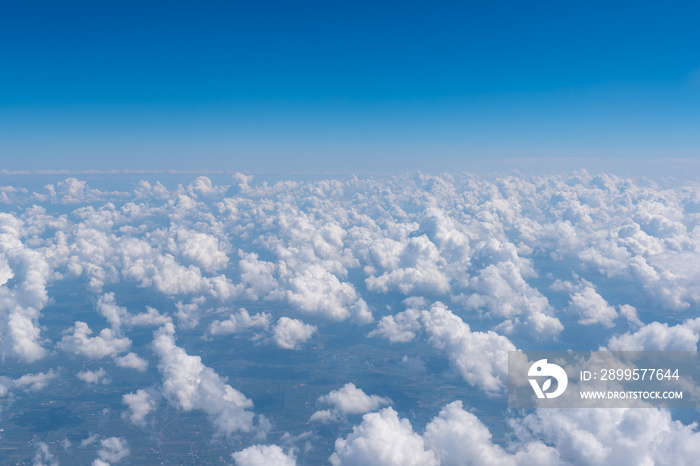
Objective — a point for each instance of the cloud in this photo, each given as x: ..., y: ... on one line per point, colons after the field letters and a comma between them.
x: 347, y: 400
x: 140, y: 404
x: 188, y: 384
x: 614, y: 436
x: 458, y: 437
x: 94, y: 377
x: 382, y: 439
x: 43, y: 456
x: 659, y: 337
x: 197, y: 248
x: 24, y: 276
x: 35, y: 382
x: 263, y: 455
x: 481, y: 358
x: 291, y: 333
x: 501, y: 289
x: 400, y: 328
x: 592, y: 308
x: 317, y: 291
x: 132, y: 361
x: 112, y: 450
x: 240, y: 321
x: 77, y: 340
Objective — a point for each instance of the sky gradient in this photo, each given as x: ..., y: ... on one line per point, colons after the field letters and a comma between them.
x: 346, y: 86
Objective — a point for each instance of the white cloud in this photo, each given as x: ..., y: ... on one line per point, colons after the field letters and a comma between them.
x: 417, y: 271
x: 615, y: 436
x: 659, y: 337
x: 188, y: 384
x: 263, y: 455
x: 347, y: 400
x: 35, y: 382
x: 132, y: 361
x: 43, y: 456
x: 140, y: 404
x: 400, y: 328
x: 197, y: 248
x: 25, y: 273
x: 630, y: 313
x: 481, y: 358
x: 382, y: 439
x: 107, y: 343
x: 458, y: 437
x: 317, y: 291
x: 94, y: 377
x: 592, y: 308
x: 501, y: 289
x: 239, y: 322
x: 291, y: 333
x: 112, y: 450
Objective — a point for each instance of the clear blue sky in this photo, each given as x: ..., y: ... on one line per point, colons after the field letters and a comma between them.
x: 341, y: 86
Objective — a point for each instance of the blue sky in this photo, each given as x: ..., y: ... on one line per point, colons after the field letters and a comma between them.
x: 345, y: 86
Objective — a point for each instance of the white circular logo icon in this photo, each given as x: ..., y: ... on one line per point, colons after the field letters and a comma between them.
x: 542, y: 368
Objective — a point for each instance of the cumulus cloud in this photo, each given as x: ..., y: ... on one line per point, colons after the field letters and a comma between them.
x: 347, y: 400
x: 400, y: 328
x: 197, y: 248
x: 35, y: 382
x: 24, y: 276
x: 615, y: 436
x: 501, y: 289
x: 140, y: 404
x: 94, y: 377
x: 416, y: 271
x: 240, y: 321
x: 458, y: 437
x: 112, y: 450
x: 264, y: 455
x: 132, y: 361
x: 107, y: 343
x: 291, y: 333
x: 346, y: 250
x: 43, y: 456
x: 188, y: 384
x: 659, y: 337
x: 481, y: 358
x: 592, y: 308
x: 382, y: 439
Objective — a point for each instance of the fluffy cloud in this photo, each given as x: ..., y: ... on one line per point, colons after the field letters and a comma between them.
x: 481, y: 358
x: 592, y: 308
x: 659, y: 337
x: 458, y: 437
x: 502, y: 290
x: 140, y: 404
x: 132, y: 361
x: 347, y: 400
x: 239, y: 322
x: 615, y: 436
x: 43, y: 456
x: 263, y: 455
x: 107, y: 343
x: 23, y: 279
x: 400, y: 328
x: 291, y: 333
x: 382, y: 439
x: 94, y: 377
x: 188, y: 384
x: 112, y: 450
x: 198, y: 248
x: 351, y: 249
x: 35, y: 382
